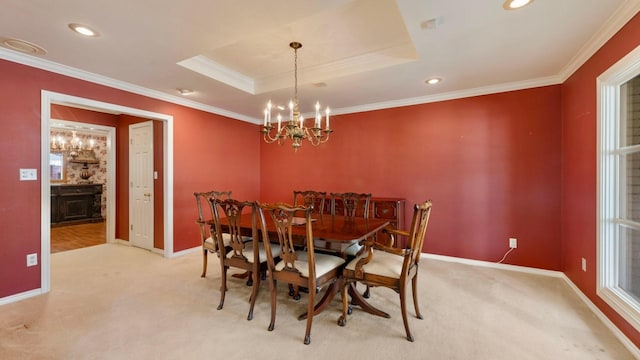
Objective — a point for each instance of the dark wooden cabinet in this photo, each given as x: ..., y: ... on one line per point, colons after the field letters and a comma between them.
x: 76, y: 204
x: 391, y: 209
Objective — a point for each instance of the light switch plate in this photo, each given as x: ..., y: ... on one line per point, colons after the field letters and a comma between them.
x: 32, y: 259
x: 28, y: 174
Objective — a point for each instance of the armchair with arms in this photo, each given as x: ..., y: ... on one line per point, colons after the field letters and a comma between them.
x: 391, y: 267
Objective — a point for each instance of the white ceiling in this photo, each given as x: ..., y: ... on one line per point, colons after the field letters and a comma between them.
x: 357, y: 55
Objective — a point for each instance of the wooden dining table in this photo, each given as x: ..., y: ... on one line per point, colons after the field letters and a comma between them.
x: 338, y: 232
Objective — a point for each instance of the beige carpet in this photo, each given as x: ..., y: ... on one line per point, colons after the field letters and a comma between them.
x: 117, y: 302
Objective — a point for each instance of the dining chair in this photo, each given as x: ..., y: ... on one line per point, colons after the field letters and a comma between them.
x: 300, y: 268
x: 242, y: 252
x: 317, y: 199
x: 309, y: 197
x: 204, y: 223
x: 390, y: 267
x: 350, y: 205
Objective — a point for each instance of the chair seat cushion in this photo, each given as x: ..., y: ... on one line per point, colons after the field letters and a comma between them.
x: 248, y: 252
x: 382, y: 263
x: 324, y: 263
x: 226, y: 238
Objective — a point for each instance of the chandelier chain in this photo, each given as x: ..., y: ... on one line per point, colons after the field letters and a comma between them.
x: 295, y: 75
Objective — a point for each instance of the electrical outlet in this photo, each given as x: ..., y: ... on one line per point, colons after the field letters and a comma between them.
x: 584, y: 264
x: 513, y: 243
x: 32, y: 259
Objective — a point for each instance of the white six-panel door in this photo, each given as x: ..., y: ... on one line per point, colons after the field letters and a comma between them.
x: 141, y: 185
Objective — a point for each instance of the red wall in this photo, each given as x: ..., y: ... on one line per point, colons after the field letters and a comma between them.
x: 579, y: 152
x: 210, y: 152
x: 517, y: 164
x: 491, y: 165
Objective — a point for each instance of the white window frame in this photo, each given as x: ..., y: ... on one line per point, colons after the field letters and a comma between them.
x: 610, y: 201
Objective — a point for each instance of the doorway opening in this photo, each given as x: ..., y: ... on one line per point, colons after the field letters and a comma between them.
x: 47, y: 99
x: 79, y: 171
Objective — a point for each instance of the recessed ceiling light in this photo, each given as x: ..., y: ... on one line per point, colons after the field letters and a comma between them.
x: 185, y: 91
x: 515, y: 4
x: 83, y: 30
x: 433, y: 81
x: 22, y: 46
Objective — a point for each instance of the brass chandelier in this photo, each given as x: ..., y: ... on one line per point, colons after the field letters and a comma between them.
x: 295, y: 129
x: 74, y: 149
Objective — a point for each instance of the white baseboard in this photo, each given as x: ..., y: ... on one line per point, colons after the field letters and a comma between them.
x: 128, y: 243
x: 616, y: 331
x: 524, y: 269
x: 20, y: 296
x: 120, y: 241
x: 619, y: 334
x: 186, y: 251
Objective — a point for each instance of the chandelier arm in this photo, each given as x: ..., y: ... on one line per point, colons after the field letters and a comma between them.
x: 266, y: 134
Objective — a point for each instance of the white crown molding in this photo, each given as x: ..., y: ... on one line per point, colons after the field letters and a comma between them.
x: 216, y: 71
x: 51, y: 66
x: 103, y: 80
x: 83, y: 128
x: 614, y: 24
x: 485, y: 90
x: 323, y: 72
x: 622, y: 15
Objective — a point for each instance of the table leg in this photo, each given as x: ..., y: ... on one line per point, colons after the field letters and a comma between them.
x: 331, y: 292
x: 357, y: 299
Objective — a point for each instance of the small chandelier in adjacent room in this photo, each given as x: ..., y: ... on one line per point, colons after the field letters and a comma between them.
x: 75, y: 148
x: 295, y: 129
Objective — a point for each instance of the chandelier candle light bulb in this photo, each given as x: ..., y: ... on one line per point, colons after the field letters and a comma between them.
x: 295, y: 130
x: 327, y: 111
x: 290, y: 110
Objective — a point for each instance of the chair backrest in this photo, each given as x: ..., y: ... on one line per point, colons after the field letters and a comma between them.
x: 282, y: 216
x: 205, y: 196
x: 352, y: 204
x: 308, y: 198
x: 421, y: 213
x: 204, y: 218
x: 227, y: 213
